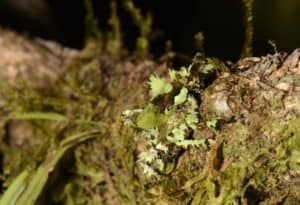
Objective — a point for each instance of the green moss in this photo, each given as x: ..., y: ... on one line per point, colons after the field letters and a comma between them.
x: 194, y: 140
x: 94, y: 37
x: 247, y: 48
x: 143, y: 23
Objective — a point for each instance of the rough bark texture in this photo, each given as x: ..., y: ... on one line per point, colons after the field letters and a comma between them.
x: 247, y: 117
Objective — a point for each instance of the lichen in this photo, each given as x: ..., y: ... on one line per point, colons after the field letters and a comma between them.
x: 166, y: 128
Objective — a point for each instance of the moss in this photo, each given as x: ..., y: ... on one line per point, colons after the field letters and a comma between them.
x: 143, y: 23
x: 195, y: 155
x: 247, y: 48
x: 205, y: 134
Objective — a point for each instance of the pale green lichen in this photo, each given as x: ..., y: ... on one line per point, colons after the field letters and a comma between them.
x: 212, y: 123
x: 150, y: 117
x: 180, y: 75
x: 181, y: 97
x: 168, y: 126
x: 158, y: 87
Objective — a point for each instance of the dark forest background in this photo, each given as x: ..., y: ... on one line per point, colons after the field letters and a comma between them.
x: 221, y: 21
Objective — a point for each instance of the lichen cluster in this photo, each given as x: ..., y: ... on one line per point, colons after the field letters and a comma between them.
x: 166, y: 130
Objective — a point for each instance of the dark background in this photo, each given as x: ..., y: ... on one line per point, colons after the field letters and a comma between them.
x: 220, y: 20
